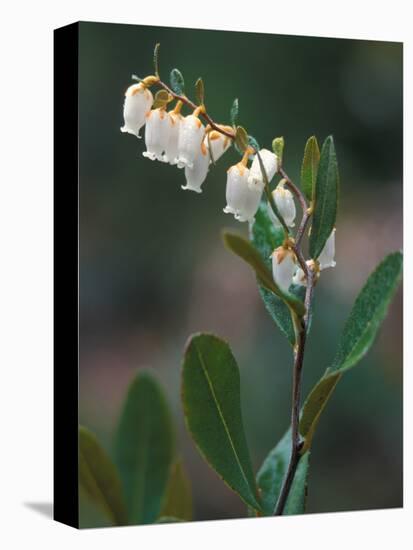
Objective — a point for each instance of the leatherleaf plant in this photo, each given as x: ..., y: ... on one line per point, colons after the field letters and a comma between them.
x: 291, y: 241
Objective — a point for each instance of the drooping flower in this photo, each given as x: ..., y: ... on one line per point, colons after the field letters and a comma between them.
x: 270, y: 162
x: 217, y: 142
x: 299, y: 276
x: 284, y: 201
x: 326, y: 258
x: 138, y: 102
x: 242, y: 199
x: 191, y: 134
x: 196, y: 175
x: 156, y: 133
x: 171, y: 149
x: 283, y: 267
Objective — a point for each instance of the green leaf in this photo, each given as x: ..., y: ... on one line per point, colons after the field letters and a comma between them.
x: 325, y: 198
x: 358, y: 335
x: 309, y: 167
x: 178, y: 497
x: 144, y: 448
x: 278, y: 148
x: 234, y: 112
x: 99, y: 479
x: 155, y: 59
x: 212, y: 408
x: 368, y: 312
x: 271, y: 476
x: 177, y: 82
x: 200, y: 91
x: 250, y: 254
x: 314, y: 406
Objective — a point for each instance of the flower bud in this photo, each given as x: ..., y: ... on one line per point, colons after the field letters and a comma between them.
x: 138, y: 102
x: 284, y: 201
x: 196, y: 175
x: 171, y: 149
x: 156, y: 133
x: 270, y: 162
x: 283, y: 267
x: 326, y: 258
x: 218, y: 143
x: 242, y: 200
x: 191, y: 134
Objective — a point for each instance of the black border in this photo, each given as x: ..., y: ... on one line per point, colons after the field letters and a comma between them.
x: 66, y: 289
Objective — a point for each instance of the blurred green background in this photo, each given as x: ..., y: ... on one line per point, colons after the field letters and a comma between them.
x: 153, y: 269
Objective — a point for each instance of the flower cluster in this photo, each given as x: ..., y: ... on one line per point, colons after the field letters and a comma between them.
x: 186, y: 142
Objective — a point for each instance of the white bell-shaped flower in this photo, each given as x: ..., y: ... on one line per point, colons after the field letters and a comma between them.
x: 299, y: 278
x: 171, y: 149
x: 283, y: 267
x: 284, y: 201
x: 156, y: 133
x: 196, y: 175
x: 270, y: 162
x: 138, y: 102
x: 191, y: 134
x: 326, y: 258
x: 251, y: 204
x: 242, y: 200
x: 218, y: 143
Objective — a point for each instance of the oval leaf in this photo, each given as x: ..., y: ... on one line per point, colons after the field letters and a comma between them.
x: 99, y: 479
x: 249, y: 254
x: 212, y: 407
x: 325, y: 198
x: 178, y: 497
x: 271, y: 476
x: 144, y: 448
x: 309, y: 167
x: 359, y: 332
x: 177, y: 82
